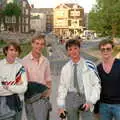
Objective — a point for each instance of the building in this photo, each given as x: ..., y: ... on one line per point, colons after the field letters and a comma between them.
x: 42, y: 18
x: 68, y: 19
x: 38, y: 22
x: 25, y: 18
x: 23, y: 23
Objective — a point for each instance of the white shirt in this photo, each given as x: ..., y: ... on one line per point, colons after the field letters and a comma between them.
x: 79, y: 78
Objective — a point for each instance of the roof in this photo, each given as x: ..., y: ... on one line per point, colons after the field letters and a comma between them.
x: 69, y: 5
x: 42, y: 10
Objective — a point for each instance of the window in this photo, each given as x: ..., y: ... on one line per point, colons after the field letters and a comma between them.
x: 13, y: 19
x: 26, y: 20
x: 26, y: 11
x: 24, y: 4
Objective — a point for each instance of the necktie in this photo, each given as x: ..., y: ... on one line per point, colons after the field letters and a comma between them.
x: 75, y: 78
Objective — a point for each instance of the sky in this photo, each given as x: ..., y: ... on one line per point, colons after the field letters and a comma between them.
x: 86, y: 4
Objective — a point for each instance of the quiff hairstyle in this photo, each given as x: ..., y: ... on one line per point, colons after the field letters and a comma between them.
x: 105, y: 42
x: 38, y: 37
x: 15, y: 45
x: 72, y: 42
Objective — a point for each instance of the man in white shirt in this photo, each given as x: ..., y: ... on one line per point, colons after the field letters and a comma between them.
x: 88, y: 90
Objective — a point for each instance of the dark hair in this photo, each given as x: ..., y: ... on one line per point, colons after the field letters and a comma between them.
x: 104, y: 42
x: 72, y: 42
x: 15, y: 45
x: 38, y: 37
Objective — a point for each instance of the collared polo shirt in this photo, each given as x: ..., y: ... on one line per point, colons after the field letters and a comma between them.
x: 37, y: 71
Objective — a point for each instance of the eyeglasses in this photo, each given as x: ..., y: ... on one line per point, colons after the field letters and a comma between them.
x: 106, y: 49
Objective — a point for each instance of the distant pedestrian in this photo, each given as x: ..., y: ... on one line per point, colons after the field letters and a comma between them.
x: 38, y: 71
x: 109, y: 72
x: 79, y: 87
x: 13, y: 81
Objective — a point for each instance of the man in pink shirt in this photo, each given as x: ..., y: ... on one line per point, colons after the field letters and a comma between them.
x: 38, y: 70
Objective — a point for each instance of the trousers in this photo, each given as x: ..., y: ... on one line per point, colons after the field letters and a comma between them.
x: 73, y: 101
x: 38, y: 110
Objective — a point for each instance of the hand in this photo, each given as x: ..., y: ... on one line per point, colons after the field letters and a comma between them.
x: 49, y: 84
x: 86, y: 106
x: 63, y: 115
x: 61, y: 110
x: 46, y: 94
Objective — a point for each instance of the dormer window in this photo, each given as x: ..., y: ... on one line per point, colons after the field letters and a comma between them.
x: 75, y: 6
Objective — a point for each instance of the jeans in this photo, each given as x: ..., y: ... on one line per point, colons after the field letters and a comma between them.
x: 109, y: 111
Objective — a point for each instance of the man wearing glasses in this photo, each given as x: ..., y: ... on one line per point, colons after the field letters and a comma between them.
x: 109, y: 72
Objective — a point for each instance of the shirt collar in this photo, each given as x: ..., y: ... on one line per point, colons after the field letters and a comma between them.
x: 41, y: 59
x: 75, y: 63
x: 82, y: 63
x: 6, y: 62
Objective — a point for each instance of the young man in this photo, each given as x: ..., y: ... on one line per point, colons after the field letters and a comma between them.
x: 109, y: 72
x: 79, y: 87
x: 13, y: 81
x: 38, y: 69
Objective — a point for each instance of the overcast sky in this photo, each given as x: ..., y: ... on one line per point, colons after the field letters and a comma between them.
x: 86, y: 4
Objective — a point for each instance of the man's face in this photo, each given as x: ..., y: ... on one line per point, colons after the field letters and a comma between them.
x: 38, y: 45
x: 74, y: 52
x: 12, y: 53
x: 106, y: 51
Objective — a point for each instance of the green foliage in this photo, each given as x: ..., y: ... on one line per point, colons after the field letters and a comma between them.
x: 105, y: 17
x: 116, y: 50
x: 12, y: 9
x: 1, y: 12
x: 2, y: 43
x: 26, y: 48
x: 1, y: 15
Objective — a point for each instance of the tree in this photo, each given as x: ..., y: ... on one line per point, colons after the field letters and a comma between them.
x: 13, y: 10
x: 105, y: 17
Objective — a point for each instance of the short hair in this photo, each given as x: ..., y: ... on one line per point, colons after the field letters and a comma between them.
x: 72, y: 42
x: 38, y: 37
x: 104, y: 42
x: 15, y: 45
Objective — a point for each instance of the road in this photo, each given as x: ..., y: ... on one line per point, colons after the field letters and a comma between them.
x: 57, y: 60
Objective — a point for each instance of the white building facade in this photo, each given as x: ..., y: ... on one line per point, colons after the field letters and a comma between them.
x: 38, y: 22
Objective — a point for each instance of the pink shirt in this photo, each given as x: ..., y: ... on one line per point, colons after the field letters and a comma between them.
x: 37, y: 71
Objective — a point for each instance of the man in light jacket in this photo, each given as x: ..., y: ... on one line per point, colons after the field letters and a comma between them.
x: 88, y: 83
